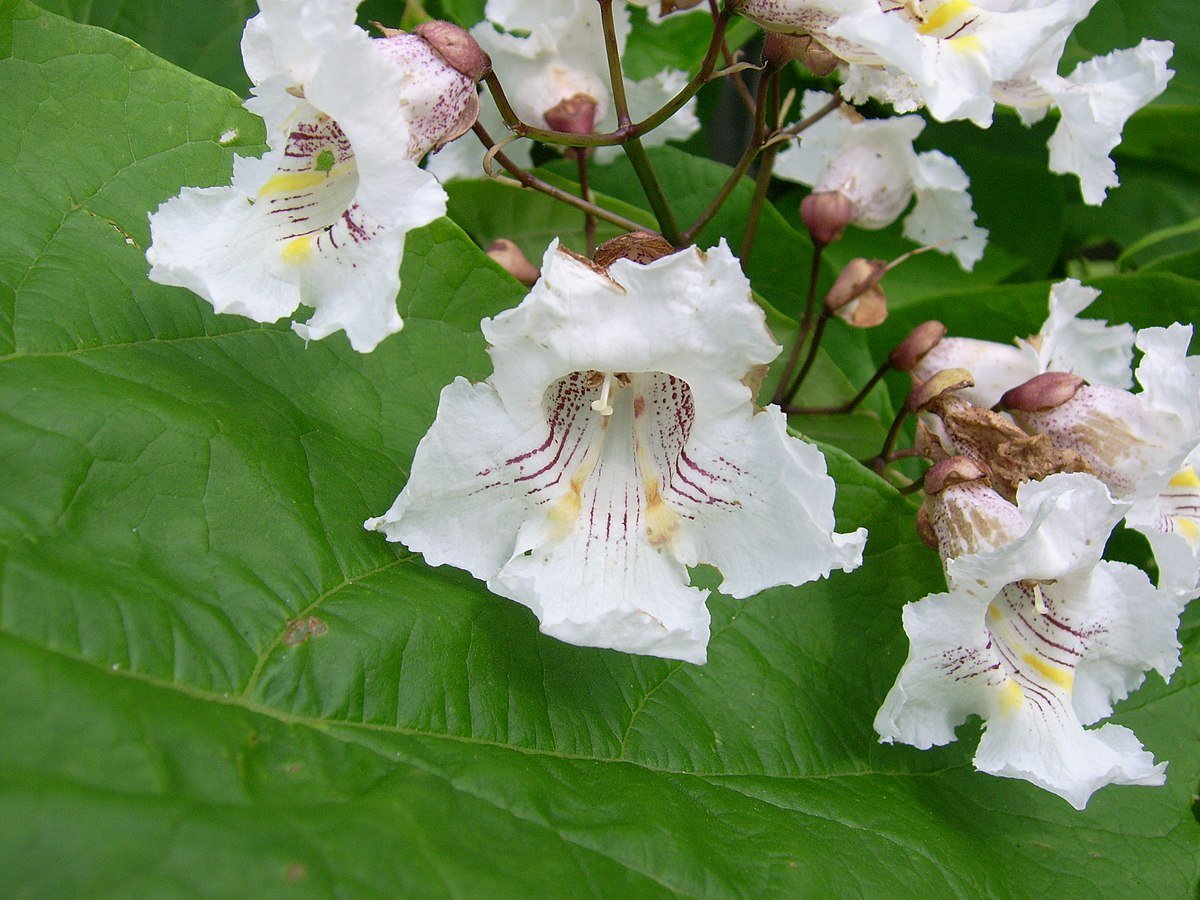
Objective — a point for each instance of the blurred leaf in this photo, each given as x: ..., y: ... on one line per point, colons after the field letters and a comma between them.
x: 214, y: 682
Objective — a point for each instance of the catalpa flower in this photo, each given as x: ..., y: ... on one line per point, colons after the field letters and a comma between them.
x: 944, y: 54
x: 1039, y: 637
x: 616, y: 444
x: 1143, y: 445
x: 321, y: 218
x: 872, y: 163
x: 1093, y: 349
x: 551, y: 59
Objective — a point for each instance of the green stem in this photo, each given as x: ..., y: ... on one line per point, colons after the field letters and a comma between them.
x: 613, y: 52
x: 763, y: 180
x: 743, y: 165
x: 847, y: 407
x: 802, y: 331
x: 651, y: 186
x: 534, y: 183
x: 809, y: 360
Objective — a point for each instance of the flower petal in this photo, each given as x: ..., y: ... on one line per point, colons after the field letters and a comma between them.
x: 943, y: 211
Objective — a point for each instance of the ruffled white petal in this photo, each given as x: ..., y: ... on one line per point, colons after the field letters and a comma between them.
x: 943, y: 213
x: 749, y: 491
x: 1096, y: 99
x: 686, y: 315
x: 1092, y: 349
x: 458, y: 506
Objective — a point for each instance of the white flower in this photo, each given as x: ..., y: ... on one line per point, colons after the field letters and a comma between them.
x: 1039, y: 637
x: 321, y: 218
x: 1094, y: 350
x: 872, y: 162
x: 616, y: 444
x: 545, y: 52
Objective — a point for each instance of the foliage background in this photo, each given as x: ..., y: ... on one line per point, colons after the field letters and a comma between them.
x: 212, y: 680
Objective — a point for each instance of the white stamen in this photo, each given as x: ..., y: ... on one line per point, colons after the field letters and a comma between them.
x: 1039, y: 602
x: 602, y: 405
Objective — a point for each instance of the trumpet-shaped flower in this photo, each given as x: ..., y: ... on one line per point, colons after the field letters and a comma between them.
x: 616, y: 444
x: 1094, y: 350
x: 1039, y: 637
x: 873, y: 164
x: 321, y: 218
x: 549, y: 52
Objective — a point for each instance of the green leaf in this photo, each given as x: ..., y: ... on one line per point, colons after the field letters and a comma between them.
x: 204, y: 38
x: 213, y: 681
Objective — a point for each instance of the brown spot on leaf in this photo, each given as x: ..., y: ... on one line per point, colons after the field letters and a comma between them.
x: 300, y: 630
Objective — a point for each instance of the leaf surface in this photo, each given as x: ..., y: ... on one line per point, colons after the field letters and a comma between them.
x: 213, y: 681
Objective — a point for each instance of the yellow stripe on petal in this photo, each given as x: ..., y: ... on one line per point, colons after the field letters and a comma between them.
x: 1011, y: 696
x: 1188, y: 528
x: 1060, y: 676
x: 1185, y: 478
x: 297, y: 250
x: 661, y: 520
x: 292, y: 183
x: 944, y: 15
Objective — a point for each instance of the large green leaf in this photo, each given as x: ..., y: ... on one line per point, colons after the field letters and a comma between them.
x: 204, y: 38
x: 212, y: 681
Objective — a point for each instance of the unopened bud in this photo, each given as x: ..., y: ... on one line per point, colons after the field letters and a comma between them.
x: 669, y: 6
x: 951, y: 472
x: 639, y: 246
x: 575, y: 115
x: 943, y: 382
x: 920, y: 341
x: 826, y: 215
x: 456, y: 47
x: 1046, y: 391
x: 781, y: 49
x: 513, y: 261
x: 859, y: 276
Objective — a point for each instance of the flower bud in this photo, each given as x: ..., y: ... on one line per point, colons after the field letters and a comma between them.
x: 574, y: 115
x: 826, y: 215
x: 1045, y: 391
x: 945, y: 381
x: 513, y: 261
x: 859, y: 276
x: 639, y: 246
x: 913, y: 348
x: 456, y: 47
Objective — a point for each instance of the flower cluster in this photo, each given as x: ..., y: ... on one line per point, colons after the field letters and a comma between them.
x: 618, y: 441
x: 1038, y: 634
x: 959, y: 59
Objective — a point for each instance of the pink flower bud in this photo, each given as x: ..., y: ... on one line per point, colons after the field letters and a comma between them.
x: 826, y: 215
x: 456, y: 47
x: 1045, y: 391
x: 913, y: 348
x: 574, y: 115
x: 639, y: 246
